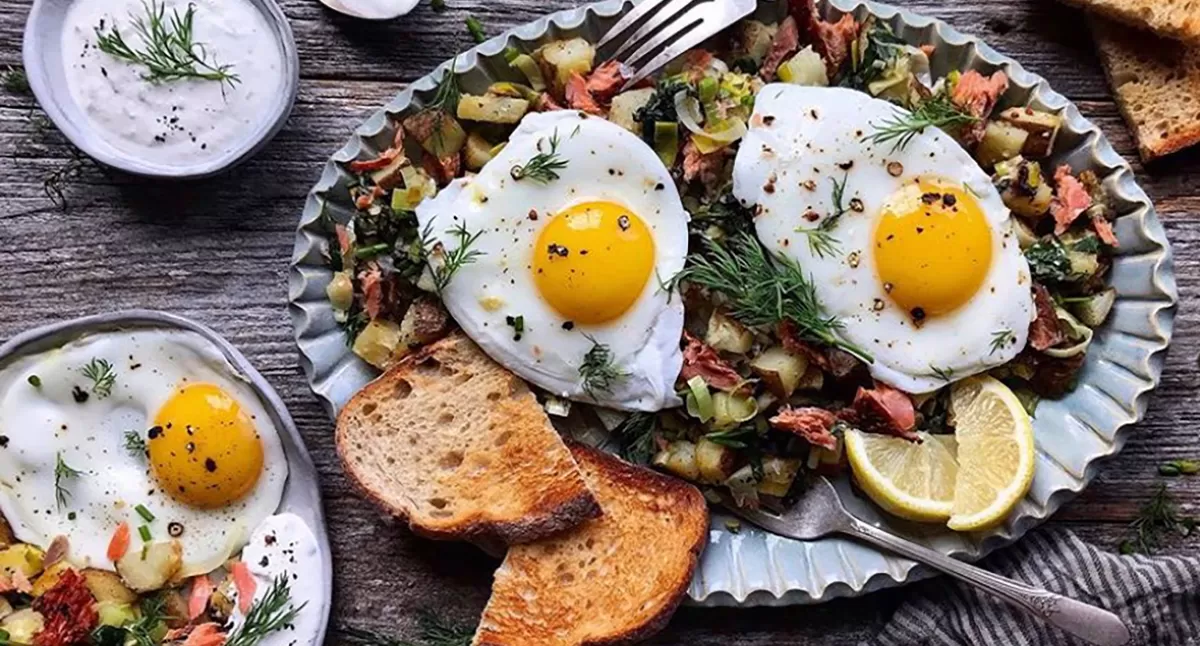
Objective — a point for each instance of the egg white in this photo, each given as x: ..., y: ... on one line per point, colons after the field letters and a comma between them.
x: 284, y: 546
x: 604, y: 163
x: 44, y: 422
x: 802, y: 140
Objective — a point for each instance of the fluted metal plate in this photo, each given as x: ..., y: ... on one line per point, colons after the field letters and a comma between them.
x: 751, y: 568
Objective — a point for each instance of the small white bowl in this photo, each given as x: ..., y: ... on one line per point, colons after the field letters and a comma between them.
x: 45, y: 68
x: 371, y: 9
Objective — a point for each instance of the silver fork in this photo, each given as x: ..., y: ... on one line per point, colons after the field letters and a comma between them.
x: 820, y: 513
x: 673, y: 25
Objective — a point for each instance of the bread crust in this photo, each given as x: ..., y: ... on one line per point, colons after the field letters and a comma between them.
x: 1142, y: 14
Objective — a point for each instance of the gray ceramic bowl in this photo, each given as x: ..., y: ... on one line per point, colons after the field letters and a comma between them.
x: 47, y: 77
x: 1074, y: 434
x: 300, y: 495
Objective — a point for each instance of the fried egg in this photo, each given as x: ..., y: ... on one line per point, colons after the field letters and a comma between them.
x: 564, y: 285
x: 152, y: 428
x: 907, y: 243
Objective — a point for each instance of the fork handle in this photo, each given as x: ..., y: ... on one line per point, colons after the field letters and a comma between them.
x: 1089, y: 623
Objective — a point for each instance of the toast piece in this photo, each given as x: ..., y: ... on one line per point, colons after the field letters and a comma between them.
x: 1157, y: 86
x: 616, y: 579
x: 459, y: 447
x: 1177, y: 19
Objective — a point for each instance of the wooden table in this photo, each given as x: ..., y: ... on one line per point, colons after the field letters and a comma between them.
x: 218, y: 250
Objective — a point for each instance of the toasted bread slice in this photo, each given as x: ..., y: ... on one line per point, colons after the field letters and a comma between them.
x: 459, y: 447
x: 613, y: 580
x: 1157, y: 86
x: 1177, y: 19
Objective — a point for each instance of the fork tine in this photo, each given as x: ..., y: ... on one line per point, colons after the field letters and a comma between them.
x: 698, y: 24
x: 635, y: 16
x: 671, y: 11
x: 769, y: 522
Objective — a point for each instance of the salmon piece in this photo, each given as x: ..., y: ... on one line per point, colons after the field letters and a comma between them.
x: 699, y: 359
x: 381, y: 161
x: 1044, y: 331
x: 21, y: 583
x: 244, y: 582
x: 205, y: 635
x: 372, y: 286
x: 830, y: 40
x: 605, y: 81
x: 1104, y: 230
x: 119, y: 544
x: 783, y: 46
x: 6, y: 584
x: 442, y: 170
x: 546, y: 103
x: 1070, y: 199
x: 202, y: 590
x: 57, y: 551
x: 696, y: 63
x: 884, y: 410
x: 810, y: 423
x: 579, y: 98
x: 699, y: 166
x: 977, y: 94
x: 343, y: 236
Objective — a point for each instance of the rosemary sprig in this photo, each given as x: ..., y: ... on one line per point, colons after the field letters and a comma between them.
x: 135, y: 444
x: 764, y: 290
x: 1157, y: 518
x: 459, y: 257
x: 270, y: 613
x: 820, y: 238
x: 102, y: 375
x: 154, y: 614
x: 62, y: 473
x: 542, y: 167
x: 598, y: 370
x: 447, y: 96
x: 433, y: 631
x: 169, y: 50
x: 938, y: 111
x: 1001, y: 339
x: 635, y: 437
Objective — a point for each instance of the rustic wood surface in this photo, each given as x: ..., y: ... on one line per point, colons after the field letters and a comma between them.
x: 218, y: 250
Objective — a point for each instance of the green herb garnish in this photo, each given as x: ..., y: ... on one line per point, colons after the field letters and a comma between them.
x: 147, y: 630
x: 937, y: 112
x: 170, y: 51
x: 820, y: 238
x: 635, y: 436
x: 433, y: 632
x: 62, y: 473
x: 452, y: 261
x: 598, y: 370
x: 144, y: 513
x: 100, y: 372
x: 737, y: 437
x: 517, y: 323
x: 371, y: 251
x: 1001, y: 339
x: 15, y: 81
x: 475, y: 28
x: 144, y: 532
x: 447, y: 96
x: 542, y: 167
x: 1048, y: 261
x: 35, y: 381
x: 1157, y: 518
x: 945, y: 374
x: 269, y: 614
x: 135, y: 444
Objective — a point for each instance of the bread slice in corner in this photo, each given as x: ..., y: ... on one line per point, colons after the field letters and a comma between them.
x: 1176, y: 19
x: 1157, y: 86
x: 613, y: 580
x: 459, y: 447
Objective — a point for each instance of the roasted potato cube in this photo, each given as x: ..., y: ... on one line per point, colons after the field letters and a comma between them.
x: 6, y: 535
x: 49, y: 578
x: 625, y: 107
x: 1023, y: 187
x: 24, y: 558
x: 22, y: 625
x: 1001, y: 141
x: 108, y: 586
x: 492, y: 109
x: 377, y: 343
x: 566, y: 57
x: 813, y: 379
x: 150, y: 567
x: 780, y: 370
x: 388, y: 177
x: 478, y: 151
x: 113, y: 613
x: 1093, y: 310
x: 727, y: 335
x: 1041, y: 126
x: 439, y: 133
x: 778, y: 475
x: 714, y: 462
x: 679, y: 458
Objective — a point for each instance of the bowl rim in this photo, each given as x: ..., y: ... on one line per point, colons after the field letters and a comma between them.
x: 41, y: 31
x: 301, y: 495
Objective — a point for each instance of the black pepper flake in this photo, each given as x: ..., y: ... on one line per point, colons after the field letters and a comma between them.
x: 533, y: 215
x: 857, y: 205
x: 175, y: 529
x: 155, y: 432
x: 623, y: 222
x: 930, y: 198
x: 558, y: 250
x: 949, y: 200
x: 846, y: 165
x: 269, y: 539
x: 3, y: 441
x: 264, y: 562
x: 210, y: 465
x: 568, y: 325
x: 79, y: 394
x: 191, y: 447
x: 920, y: 230
x: 659, y: 186
x: 918, y: 314
x: 768, y: 119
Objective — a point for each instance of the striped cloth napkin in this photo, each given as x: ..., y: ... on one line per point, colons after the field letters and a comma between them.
x: 1159, y: 598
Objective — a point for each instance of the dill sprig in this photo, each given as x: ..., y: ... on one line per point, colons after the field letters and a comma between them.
x: 598, y: 370
x: 145, y: 630
x: 1001, y: 339
x: 543, y: 166
x: 945, y: 374
x: 737, y: 437
x: 448, y: 95
x: 1156, y: 519
x: 433, y: 631
x: 62, y: 473
x: 938, y: 111
x: 820, y: 238
x: 459, y: 257
x: 170, y: 52
x: 764, y: 290
x: 102, y: 375
x: 635, y: 437
x: 135, y: 444
x: 270, y: 613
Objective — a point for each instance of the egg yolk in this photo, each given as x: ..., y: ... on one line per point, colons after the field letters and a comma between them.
x: 204, y: 449
x: 933, y: 247
x: 592, y: 261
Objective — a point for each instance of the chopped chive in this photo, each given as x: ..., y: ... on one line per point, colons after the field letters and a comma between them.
x: 144, y: 532
x: 144, y: 513
x: 476, y: 29
x: 35, y: 381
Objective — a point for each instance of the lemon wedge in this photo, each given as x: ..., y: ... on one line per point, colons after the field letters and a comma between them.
x: 995, y: 453
x: 913, y: 480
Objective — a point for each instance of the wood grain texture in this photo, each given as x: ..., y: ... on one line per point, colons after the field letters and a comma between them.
x: 217, y: 251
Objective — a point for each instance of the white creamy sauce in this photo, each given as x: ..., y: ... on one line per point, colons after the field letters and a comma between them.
x: 283, y: 545
x: 177, y: 123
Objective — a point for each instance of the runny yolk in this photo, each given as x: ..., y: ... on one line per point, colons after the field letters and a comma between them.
x: 933, y: 247
x: 592, y: 261
x: 204, y: 449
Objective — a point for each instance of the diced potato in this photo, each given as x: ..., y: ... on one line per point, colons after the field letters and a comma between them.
x: 778, y: 475
x: 49, y: 578
x: 377, y: 343
x: 566, y: 57
x: 478, y: 151
x: 1042, y: 128
x: 150, y: 567
x: 780, y: 370
x: 115, y: 614
x: 388, y: 177
x: 108, y: 586
x: 728, y: 335
x: 6, y: 535
x: 439, y: 133
x: 1001, y: 141
x: 755, y: 39
x: 813, y: 379
x: 1093, y: 310
x: 1023, y: 187
x: 22, y: 625
x: 1083, y: 264
x: 805, y: 68
x: 340, y: 291
x: 679, y: 458
x: 492, y: 109
x: 24, y: 558
x: 625, y: 107
x: 713, y: 461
